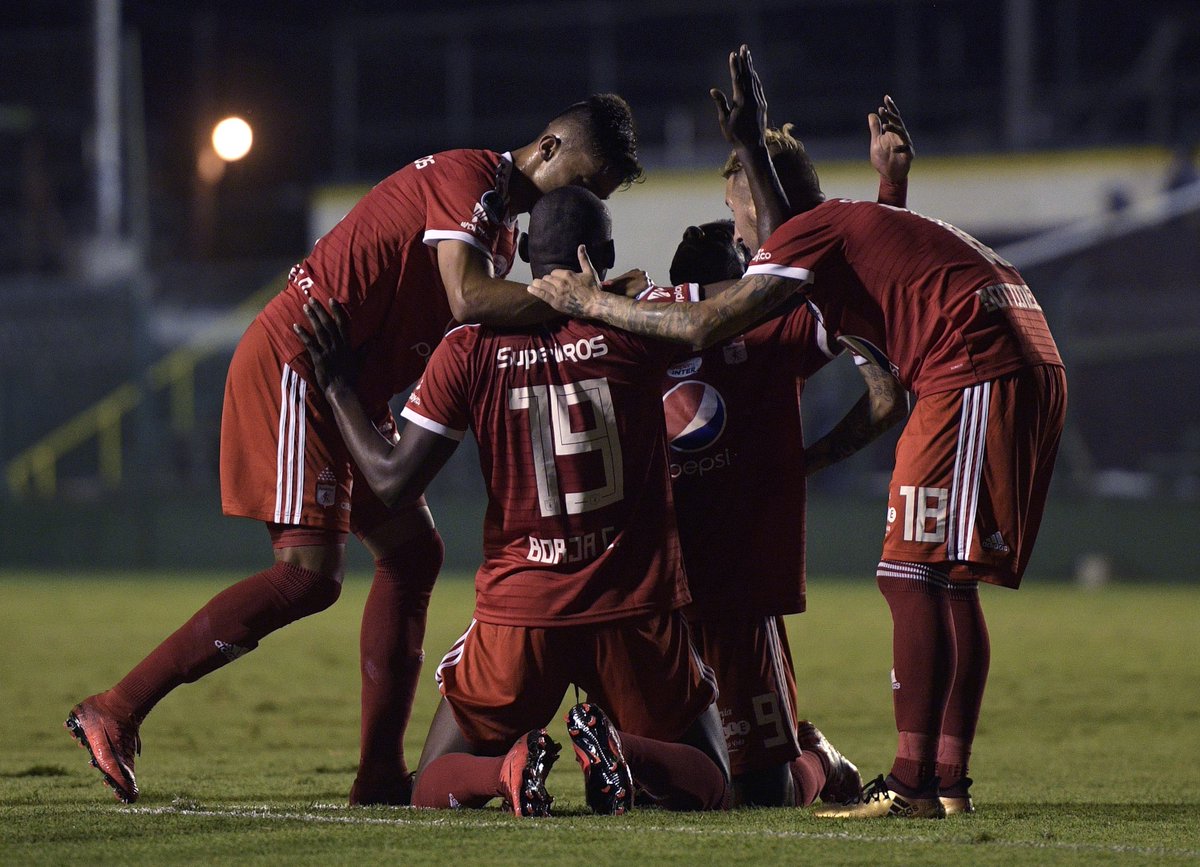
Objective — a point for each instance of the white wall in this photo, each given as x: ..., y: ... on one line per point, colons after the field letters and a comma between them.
x: 982, y: 194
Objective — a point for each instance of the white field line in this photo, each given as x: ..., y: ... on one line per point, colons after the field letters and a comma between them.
x: 426, y: 820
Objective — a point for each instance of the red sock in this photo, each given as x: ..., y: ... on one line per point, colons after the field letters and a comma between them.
x: 681, y: 777
x: 459, y: 780
x: 390, y: 653
x: 229, y: 626
x: 922, y: 666
x: 808, y: 775
x: 970, y: 679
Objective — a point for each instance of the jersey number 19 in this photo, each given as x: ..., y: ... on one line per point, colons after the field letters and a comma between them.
x: 551, y: 437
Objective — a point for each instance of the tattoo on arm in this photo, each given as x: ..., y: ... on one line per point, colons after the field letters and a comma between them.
x: 700, y: 323
x: 881, y: 407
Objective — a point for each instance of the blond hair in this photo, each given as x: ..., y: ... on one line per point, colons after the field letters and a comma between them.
x: 797, y: 174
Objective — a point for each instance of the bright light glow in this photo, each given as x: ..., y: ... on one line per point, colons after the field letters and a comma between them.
x: 232, y: 138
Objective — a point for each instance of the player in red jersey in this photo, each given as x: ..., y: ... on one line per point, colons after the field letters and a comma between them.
x: 959, y: 328
x: 582, y: 579
x: 738, y: 475
x: 428, y: 245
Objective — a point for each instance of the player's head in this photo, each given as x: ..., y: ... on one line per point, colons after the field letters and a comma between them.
x: 561, y: 221
x: 592, y: 144
x: 708, y: 253
x: 797, y: 175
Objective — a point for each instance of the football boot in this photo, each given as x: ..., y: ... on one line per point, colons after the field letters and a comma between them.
x: 957, y: 798
x: 394, y: 791
x: 523, y: 774
x: 112, y: 742
x: 880, y: 801
x: 606, y: 775
x: 842, y: 780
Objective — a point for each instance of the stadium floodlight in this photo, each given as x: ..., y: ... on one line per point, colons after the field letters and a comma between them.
x: 232, y: 138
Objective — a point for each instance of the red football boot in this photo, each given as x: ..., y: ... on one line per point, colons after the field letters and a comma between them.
x: 524, y: 771
x: 111, y: 740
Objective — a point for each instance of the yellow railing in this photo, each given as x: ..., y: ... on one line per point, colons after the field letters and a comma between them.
x: 35, y: 470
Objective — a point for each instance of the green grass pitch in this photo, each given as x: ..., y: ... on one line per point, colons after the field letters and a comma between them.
x: 1088, y: 753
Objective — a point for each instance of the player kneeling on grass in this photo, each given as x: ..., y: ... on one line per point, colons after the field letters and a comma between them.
x: 739, y: 489
x: 582, y: 580
x: 960, y: 330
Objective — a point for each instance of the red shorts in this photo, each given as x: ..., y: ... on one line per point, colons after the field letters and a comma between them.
x: 972, y: 472
x: 283, y: 460
x: 753, y: 665
x: 502, y: 681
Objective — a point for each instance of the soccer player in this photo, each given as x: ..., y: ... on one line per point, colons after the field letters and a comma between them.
x: 959, y: 328
x: 738, y: 478
x: 738, y: 475
x: 582, y: 580
x: 428, y: 245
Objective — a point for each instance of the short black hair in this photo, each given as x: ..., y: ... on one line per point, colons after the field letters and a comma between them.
x: 607, y: 121
x: 708, y: 253
x: 563, y: 219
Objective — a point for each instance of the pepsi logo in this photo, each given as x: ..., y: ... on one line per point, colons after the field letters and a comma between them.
x: 695, y: 415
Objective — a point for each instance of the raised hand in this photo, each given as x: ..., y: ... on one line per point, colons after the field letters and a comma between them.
x: 328, y: 344
x: 892, y: 149
x: 742, y: 118
x: 569, y: 292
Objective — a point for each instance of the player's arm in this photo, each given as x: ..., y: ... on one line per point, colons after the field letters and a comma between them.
x: 892, y: 153
x: 699, y: 324
x: 883, y: 405
x: 476, y: 294
x: 743, y: 122
x: 399, y: 473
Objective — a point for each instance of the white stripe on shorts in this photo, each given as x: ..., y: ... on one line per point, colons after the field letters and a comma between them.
x: 968, y: 470
x: 706, y: 673
x: 778, y: 672
x: 453, y: 655
x: 289, y: 456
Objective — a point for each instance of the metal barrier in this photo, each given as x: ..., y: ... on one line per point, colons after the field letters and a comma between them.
x: 35, y: 470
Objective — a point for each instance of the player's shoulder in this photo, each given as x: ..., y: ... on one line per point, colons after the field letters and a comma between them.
x: 464, y: 335
x: 457, y: 343
x: 460, y: 162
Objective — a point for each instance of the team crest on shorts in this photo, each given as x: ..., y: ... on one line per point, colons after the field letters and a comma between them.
x: 735, y: 352
x: 326, y: 487
x: 695, y: 414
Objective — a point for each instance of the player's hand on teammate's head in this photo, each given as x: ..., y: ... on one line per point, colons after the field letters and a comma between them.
x: 328, y: 343
x: 742, y: 116
x: 569, y: 292
x: 892, y: 149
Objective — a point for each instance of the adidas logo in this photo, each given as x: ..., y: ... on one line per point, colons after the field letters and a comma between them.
x: 994, y: 542
x: 230, y: 651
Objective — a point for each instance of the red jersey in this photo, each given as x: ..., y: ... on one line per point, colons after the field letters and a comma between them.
x: 579, y: 526
x: 922, y: 297
x: 737, y: 462
x: 380, y: 263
